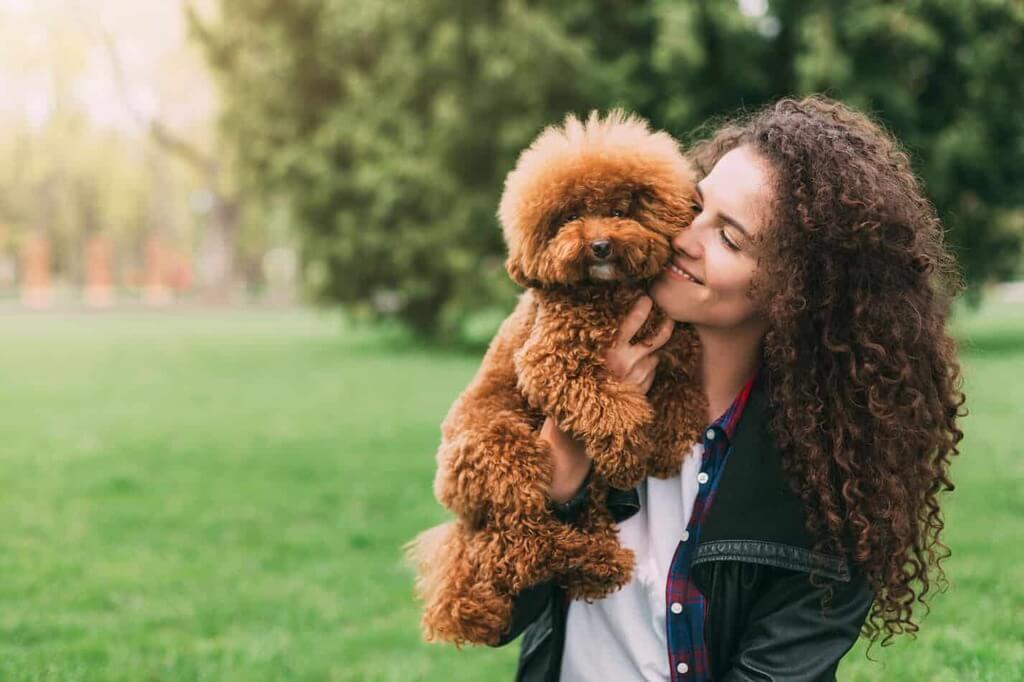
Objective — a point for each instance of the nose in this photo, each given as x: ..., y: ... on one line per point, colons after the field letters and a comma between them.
x: 601, y: 248
x: 687, y: 242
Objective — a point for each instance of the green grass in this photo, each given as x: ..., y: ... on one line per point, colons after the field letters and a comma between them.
x: 224, y: 496
x: 975, y: 630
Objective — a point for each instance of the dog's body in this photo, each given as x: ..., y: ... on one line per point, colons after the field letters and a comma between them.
x: 587, y: 214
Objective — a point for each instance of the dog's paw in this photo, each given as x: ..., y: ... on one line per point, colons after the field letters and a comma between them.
x: 621, y: 460
x: 474, y: 614
x: 607, y: 410
x: 605, y: 569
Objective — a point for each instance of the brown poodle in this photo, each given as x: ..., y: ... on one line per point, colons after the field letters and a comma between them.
x: 587, y: 214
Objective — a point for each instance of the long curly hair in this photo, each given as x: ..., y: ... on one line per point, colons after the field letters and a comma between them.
x: 862, y: 374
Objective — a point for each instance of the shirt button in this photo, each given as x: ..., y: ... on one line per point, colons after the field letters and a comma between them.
x: 686, y: 535
x: 677, y: 607
x: 702, y: 477
x: 710, y: 434
x: 682, y: 667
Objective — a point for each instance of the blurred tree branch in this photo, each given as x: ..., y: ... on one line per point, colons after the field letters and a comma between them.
x: 220, y: 237
x: 388, y: 128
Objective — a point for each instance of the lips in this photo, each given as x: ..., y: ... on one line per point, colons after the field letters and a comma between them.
x: 677, y: 269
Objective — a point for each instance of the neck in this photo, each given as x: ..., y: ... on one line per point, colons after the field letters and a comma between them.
x: 729, y: 357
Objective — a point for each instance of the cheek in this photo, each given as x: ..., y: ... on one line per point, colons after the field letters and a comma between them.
x: 730, y: 278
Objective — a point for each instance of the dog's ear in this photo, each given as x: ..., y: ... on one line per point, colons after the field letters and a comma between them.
x: 514, y: 267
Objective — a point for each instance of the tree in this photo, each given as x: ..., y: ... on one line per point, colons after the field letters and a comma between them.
x: 68, y: 169
x: 388, y: 127
x: 944, y: 75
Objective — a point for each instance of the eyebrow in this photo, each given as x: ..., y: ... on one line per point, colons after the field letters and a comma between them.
x: 725, y: 218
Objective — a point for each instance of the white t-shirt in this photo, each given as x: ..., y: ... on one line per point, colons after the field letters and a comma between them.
x: 622, y: 637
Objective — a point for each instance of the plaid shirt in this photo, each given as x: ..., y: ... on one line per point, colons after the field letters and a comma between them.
x: 685, y: 605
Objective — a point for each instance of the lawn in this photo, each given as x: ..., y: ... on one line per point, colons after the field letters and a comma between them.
x: 223, y: 496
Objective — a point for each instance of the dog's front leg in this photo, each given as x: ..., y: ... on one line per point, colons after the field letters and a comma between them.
x: 491, y: 460
x: 496, y: 466
x: 678, y: 399
x: 590, y: 560
x: 563, y: 376
x: 561, y: 373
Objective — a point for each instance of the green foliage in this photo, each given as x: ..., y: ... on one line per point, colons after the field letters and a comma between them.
x: 389, y: 127
x: 72, y: 181
x: 944, y: 75
x: 68, y: 173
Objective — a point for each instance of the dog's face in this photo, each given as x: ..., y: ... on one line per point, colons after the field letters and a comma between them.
x: 595, y: 202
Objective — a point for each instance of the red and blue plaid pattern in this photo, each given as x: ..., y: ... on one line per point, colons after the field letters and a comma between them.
x: 685, y: 608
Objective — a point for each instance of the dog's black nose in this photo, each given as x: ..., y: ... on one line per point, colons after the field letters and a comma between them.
x: 602, y: 248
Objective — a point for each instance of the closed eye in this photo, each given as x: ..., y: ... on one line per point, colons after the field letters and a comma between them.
x: 729, y: 244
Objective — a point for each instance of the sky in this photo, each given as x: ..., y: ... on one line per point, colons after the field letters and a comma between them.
x: 48, y: 43
x: 50, y: 46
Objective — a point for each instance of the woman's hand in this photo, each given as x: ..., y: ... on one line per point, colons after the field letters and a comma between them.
x: 633, y: 364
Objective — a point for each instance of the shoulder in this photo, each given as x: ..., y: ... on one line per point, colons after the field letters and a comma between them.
x: 755, y: 515
x: 768, y: 622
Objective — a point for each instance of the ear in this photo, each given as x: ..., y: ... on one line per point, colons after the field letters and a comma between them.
x: 672, y: 209
x: 514, y: 267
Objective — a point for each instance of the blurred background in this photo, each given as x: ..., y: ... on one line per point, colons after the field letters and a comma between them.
x: 249, y: 257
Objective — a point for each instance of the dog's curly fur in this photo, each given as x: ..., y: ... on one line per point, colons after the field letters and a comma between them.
x: 587, y: 215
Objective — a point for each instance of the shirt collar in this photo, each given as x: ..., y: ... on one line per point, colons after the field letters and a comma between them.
x: 624, y: 503
x: 726, y: 424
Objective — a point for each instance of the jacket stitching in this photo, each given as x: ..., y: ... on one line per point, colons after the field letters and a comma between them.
x: 773, y: 554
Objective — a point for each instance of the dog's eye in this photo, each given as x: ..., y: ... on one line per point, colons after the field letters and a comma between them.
x: 571, y: 217
x: 617, y: 213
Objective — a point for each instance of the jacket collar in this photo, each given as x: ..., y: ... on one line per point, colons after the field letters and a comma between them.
x: 752, y: 500
x: 624, y: 503
x: 755, y: 516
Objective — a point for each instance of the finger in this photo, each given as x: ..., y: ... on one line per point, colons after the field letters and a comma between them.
x: 645, y: 387
x: 642, y: 368
x: 663, y: 334
x: 645, y: 349
x: 634, y: 319
x: 649, y: 363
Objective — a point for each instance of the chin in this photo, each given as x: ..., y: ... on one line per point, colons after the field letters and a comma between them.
x: 684, y: 317
x: 667, y: 296
x: 677, y: 304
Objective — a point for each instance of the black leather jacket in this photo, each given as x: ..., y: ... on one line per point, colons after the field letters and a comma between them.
x: 764, y: 617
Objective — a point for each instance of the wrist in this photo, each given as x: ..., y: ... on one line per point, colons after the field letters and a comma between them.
x: 570, y: 464
x: 569, y: 510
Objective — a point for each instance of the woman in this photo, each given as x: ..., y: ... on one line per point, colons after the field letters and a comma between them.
x: 817, y: 280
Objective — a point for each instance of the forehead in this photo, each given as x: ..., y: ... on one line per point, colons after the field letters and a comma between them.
x: 739, y: 186
x: 587, y: 191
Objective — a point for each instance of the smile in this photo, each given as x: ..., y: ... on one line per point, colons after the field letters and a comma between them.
x: 678, y: 273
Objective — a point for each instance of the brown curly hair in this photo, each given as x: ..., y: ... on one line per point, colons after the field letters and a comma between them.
x: 862, y: 374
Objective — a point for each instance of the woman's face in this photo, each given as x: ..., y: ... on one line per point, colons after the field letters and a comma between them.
x: 718, y: 248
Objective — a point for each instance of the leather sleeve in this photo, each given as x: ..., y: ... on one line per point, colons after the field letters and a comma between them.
x: 528, y: 606
x: 787, y: 637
